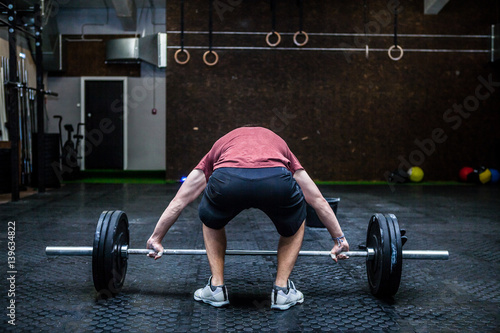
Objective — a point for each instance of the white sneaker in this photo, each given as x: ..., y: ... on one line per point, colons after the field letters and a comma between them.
x: 283, y: 301
x: 207, y: 294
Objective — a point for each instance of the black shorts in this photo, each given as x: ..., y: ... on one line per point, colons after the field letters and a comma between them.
x: 272, y: 190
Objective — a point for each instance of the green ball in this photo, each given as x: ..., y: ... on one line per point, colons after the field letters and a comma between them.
x: 416, y: 174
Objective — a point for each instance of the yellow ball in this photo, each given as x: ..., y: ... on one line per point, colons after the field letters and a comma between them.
x: 416, y: 174
x: 485, y: 176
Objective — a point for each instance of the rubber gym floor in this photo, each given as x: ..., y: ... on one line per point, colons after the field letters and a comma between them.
x: 56, y: 294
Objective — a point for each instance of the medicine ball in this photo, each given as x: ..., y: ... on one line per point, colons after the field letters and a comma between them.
x: 473, y: 177
x: 495, y: 175
x: 416, y: 174
x: 485, y: 176
x: 464, y: 172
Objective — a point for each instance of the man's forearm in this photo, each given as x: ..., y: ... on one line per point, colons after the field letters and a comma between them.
x: 328, y: 218
x: 314, y: 198
x: 166, y: 220
x: 189, y: 191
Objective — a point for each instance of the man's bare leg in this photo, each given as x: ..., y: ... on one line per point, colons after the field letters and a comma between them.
x: 215, y: 244
x: 288, y: 251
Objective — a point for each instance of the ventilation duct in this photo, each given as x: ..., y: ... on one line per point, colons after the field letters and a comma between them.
x: 126, y: 13
x: 151, y: 49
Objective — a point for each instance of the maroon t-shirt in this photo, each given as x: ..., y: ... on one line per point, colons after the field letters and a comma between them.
x: 249, y: 147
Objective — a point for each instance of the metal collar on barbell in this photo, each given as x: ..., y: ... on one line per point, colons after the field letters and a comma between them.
x: 124, y: 251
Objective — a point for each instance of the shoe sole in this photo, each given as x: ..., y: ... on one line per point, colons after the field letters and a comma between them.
x: 212, y: 303
x: 286, y: 306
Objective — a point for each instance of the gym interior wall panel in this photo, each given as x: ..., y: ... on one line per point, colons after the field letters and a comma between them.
x: 66, y: 104
x: 146, y: 134
x: 344, y: 116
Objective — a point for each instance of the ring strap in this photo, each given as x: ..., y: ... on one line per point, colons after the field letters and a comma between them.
x: 396, y: 26
x: 389, y: 52
x: 273, y: 15
x: 273, y: 25
x: 210, y: 24
x: 301, y: 26
x: 301, y: 15
x: 182, y: 24
x: 182, y: 49
x: 210, y: 36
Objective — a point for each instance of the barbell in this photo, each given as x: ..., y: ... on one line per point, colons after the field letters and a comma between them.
x: 383, y: 253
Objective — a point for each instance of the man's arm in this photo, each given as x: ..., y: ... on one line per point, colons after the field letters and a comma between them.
x: 325, y: 213
x: 192, y: 187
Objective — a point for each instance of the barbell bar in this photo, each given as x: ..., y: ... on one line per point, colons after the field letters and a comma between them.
x: 125, y: 252
x: 383, y: 253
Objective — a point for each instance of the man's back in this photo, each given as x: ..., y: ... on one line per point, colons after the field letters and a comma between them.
x: 249, y: 147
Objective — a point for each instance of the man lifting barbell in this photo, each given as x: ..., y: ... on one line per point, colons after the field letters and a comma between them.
x: 250, y: 167
x: 223, y: 200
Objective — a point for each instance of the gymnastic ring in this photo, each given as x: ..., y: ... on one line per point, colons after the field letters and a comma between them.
x: 306, y: 36
x: 210, y: 63
x: 400, y: 50
x: 367, y: 51
x: 269, y: 35
x: 176, y: 56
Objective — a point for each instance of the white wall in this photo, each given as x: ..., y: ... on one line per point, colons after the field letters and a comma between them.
x: 146, y: 132
x: 65, y: 105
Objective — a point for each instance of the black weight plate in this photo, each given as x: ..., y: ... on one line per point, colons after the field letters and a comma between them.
x: 108, y: 266
x: 116, y: 265
x: 98, y: 251
x: 396, y: 255
x: 378, y: 269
